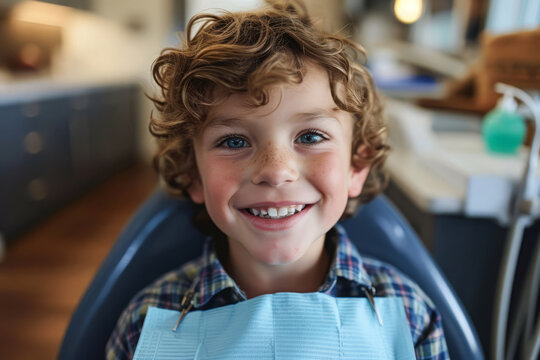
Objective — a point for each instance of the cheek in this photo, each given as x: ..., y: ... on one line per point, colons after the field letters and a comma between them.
x: 220, y: 182
x: 330, y: 178
x: 328, y: 174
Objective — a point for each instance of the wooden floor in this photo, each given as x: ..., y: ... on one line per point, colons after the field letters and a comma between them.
x: 46, y: 271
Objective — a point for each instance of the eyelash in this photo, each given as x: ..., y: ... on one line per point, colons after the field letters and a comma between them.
x: 313, y: 132
x: 222, y: 142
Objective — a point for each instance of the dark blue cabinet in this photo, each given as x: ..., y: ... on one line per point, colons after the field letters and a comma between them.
x: 52, y: 150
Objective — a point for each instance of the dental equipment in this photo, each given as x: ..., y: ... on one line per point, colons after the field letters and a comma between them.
x: 522, y: 216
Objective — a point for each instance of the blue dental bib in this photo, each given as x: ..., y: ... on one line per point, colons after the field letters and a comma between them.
x: 281, y: 326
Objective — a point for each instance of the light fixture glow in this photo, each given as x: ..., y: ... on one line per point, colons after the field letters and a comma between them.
x: 40, y: 13
x: 408, y: 11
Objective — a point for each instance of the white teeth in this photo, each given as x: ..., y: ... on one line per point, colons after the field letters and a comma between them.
x: 277, y: 213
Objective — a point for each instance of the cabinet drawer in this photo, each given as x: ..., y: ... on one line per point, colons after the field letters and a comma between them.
x: 54, y: 149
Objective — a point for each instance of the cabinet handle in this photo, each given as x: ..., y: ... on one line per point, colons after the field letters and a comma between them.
x: 33, y: 143
x: 80, y: 102
x: 30, y: 110
x: 37, y: 189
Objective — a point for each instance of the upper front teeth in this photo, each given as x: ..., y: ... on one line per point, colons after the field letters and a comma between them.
x: 275, y: 213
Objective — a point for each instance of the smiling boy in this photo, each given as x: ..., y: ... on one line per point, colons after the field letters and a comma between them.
x: 276, y: 178
x: 271, y: 125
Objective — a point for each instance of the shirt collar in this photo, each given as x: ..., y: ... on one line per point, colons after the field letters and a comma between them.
x: 347, y: 264
x: 213, y: 278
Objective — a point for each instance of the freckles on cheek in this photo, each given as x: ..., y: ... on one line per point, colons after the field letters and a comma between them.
x: 221, y: 172
x: 327, y: 172
x: 221, y: 181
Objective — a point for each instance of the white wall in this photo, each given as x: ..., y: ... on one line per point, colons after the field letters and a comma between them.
x: 154, y: 21
x: 329, y: 12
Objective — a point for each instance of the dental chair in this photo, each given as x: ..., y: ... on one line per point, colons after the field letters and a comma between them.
x: 160, y: 237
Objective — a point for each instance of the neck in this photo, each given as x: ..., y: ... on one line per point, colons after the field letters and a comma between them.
x: 304, y: 275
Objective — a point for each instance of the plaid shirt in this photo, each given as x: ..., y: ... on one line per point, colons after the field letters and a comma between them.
x: 349, y: 275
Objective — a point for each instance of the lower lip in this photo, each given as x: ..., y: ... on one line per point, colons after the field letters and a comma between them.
x: 276, y: 224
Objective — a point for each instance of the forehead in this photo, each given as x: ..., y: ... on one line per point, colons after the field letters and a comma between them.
x: 310, y: 97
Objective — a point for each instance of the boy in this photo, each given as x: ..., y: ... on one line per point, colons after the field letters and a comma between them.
x: 272, y: 126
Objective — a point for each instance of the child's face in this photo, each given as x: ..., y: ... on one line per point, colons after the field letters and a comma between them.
x: 290, y: 158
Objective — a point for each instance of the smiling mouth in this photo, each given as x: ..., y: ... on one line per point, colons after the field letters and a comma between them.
x: 276, y: 213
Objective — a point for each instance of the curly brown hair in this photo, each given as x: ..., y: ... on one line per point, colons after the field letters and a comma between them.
x: 248, y: 52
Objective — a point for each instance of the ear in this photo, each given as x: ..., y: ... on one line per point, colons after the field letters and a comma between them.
x: 196, y: 191
x: 359, y: 171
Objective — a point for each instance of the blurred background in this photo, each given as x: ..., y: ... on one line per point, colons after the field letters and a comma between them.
x: 75, y: 152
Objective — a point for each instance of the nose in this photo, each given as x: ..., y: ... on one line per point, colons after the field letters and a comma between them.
x: 274, y: 165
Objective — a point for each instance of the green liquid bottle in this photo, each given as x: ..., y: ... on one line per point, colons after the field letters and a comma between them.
x: 503, y: 129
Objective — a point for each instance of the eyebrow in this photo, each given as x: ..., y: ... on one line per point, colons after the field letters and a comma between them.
x: 319, y: 113
x: 222, y: 121
x: 219, y: 121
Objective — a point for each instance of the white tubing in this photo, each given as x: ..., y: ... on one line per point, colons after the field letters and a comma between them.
x: 534, y: 274
x: 519, y: 322
x: 528, y: 190
x: 522, y: 326
x: 504, y: 286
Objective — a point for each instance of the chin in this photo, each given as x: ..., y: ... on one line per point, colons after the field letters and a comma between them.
x: 280, y: 256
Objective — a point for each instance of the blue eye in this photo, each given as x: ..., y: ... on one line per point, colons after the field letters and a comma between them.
x: 310, y: 138
x: 235, y: 142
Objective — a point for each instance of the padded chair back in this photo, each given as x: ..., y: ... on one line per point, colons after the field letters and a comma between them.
x: 160, y: 237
